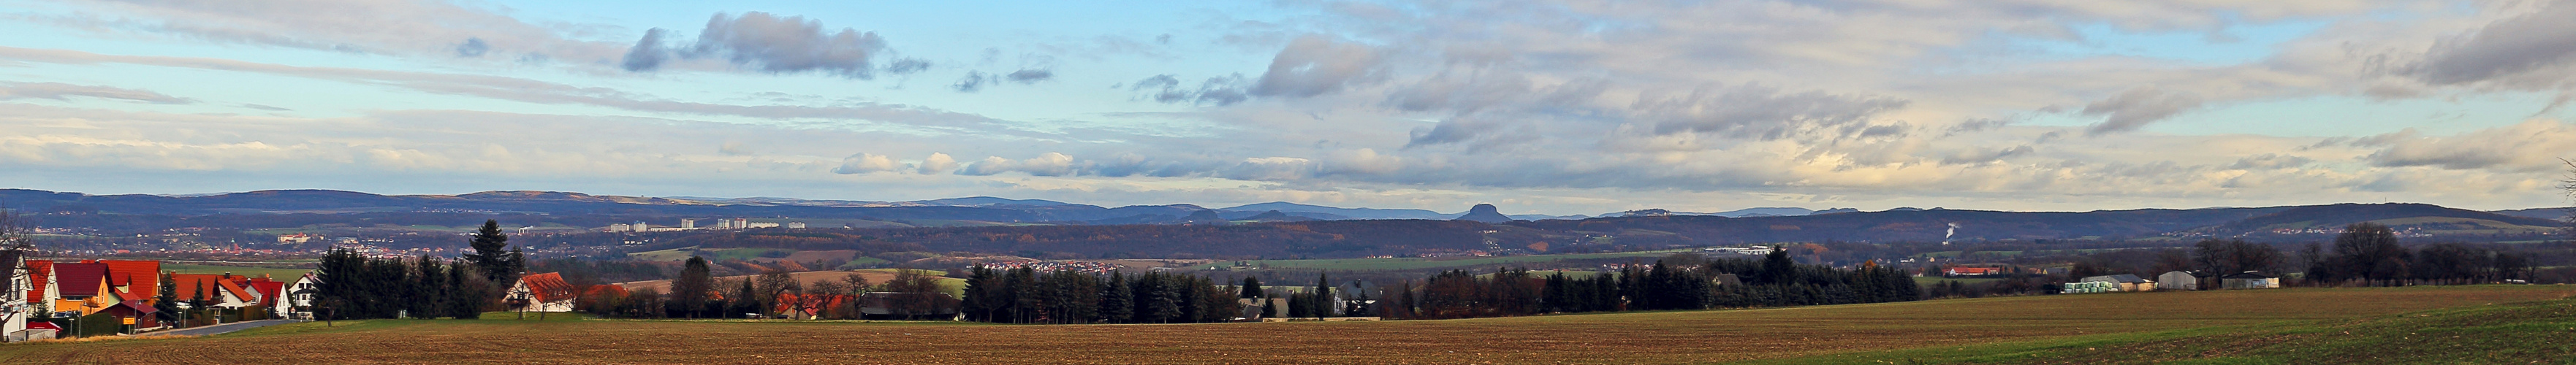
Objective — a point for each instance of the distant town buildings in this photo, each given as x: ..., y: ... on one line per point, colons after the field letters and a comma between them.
x: 692, y: 224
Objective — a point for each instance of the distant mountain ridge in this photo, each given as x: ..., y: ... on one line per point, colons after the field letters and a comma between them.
x: 321, y: 207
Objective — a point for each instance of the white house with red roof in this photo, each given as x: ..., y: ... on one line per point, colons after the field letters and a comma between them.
x: 545, y: 292
x: 299, y: 298
x: 219, y: 291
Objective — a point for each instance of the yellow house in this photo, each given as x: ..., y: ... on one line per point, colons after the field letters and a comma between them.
x: 84, y: 288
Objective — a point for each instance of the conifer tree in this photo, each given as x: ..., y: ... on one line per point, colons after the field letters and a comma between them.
x: 1251, y: 287
x: 1117, y: 301
x: 498, y: 266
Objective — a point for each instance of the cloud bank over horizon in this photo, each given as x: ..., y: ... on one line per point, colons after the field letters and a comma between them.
x: 1554, y: 107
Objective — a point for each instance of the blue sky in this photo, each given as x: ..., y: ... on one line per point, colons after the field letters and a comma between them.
x: 1538, y: 106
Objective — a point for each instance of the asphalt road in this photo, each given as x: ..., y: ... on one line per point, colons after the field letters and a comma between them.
x: 223, y: 328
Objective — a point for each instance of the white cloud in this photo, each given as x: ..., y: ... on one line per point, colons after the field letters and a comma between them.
x: 2536, y: 145
x: 865, y: 163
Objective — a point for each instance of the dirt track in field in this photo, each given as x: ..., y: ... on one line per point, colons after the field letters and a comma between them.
x: 1669, y: 337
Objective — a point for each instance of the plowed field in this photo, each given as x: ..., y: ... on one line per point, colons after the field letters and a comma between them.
x: 1662, y: 337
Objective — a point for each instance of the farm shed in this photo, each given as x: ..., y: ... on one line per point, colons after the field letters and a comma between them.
x: 2250, y: 280
x: 2084, y: 287
x: 2178, y: 280
x: 2124, y: 282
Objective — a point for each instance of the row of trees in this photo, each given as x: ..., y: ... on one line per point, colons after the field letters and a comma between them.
x: 696, y: 293
x: 1773, y: 281
x: 1024, y: 295
x: 2369, y: 254
x: 354, y: 287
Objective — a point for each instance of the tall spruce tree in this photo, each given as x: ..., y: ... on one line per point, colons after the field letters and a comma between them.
x: 1322, y: 302
x: 1117, y: 301
x: 1251, y: 288
x: 498, y: 266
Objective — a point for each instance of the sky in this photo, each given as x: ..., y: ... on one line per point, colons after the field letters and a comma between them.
x: 1539, y: 107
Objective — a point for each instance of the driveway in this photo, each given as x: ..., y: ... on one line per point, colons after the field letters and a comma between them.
x: 223, y: 328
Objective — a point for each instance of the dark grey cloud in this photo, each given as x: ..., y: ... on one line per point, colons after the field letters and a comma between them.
x: 2136, y: 108
x: 907, y: 66
x: 2270, y: 161
x: 1314, y: 65
x: 1984, y: 156
x: 267, y: 108
x: 648, y: 54
x: 1479, y: 133
x: 788, y: 45
x: 1219, y: 91
x: 1974, y: 125
x: 62, y: 91
x: 2542, y: 39
x: 473, y: 47
x: 1029, y: 76
x: 973, y: 82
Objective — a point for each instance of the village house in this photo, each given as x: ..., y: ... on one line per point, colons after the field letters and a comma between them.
x: 1957, y: 271
x: 266, y: 294
x: 2177, y: 280
x: 2124, y: 282
x: 14, y: 308
x: 299, y: 298
x: 808, y: 306
x: 2250, y: 280
x: 83, y: 288
x: 134, y: 279
x: 41, y: 291
x: 135, y: 315
x: 545, y: 292
x: 218, y: 291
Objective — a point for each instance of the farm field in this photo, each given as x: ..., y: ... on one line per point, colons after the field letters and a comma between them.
x: 2068, y: 328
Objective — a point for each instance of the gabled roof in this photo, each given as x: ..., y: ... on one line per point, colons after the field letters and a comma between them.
x: 137, y: 306
x: 269, y: 290
x: 79, y: 280
x: 2249, y: 275
x: 138, y: 276
x: 186, y: 286
x: 548, y: 287
x: 39, y: 275
x: 604, y: 289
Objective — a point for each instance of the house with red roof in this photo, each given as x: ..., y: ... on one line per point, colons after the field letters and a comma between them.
x: 83, y: 287
x: 1974, y: 271
x: 811, y: 306
x: 40, y: 280
x: 141, y: 315
x: 218, y: 291
x: 134, y: 279
x: 266, y: 293
x: 545, y: 292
